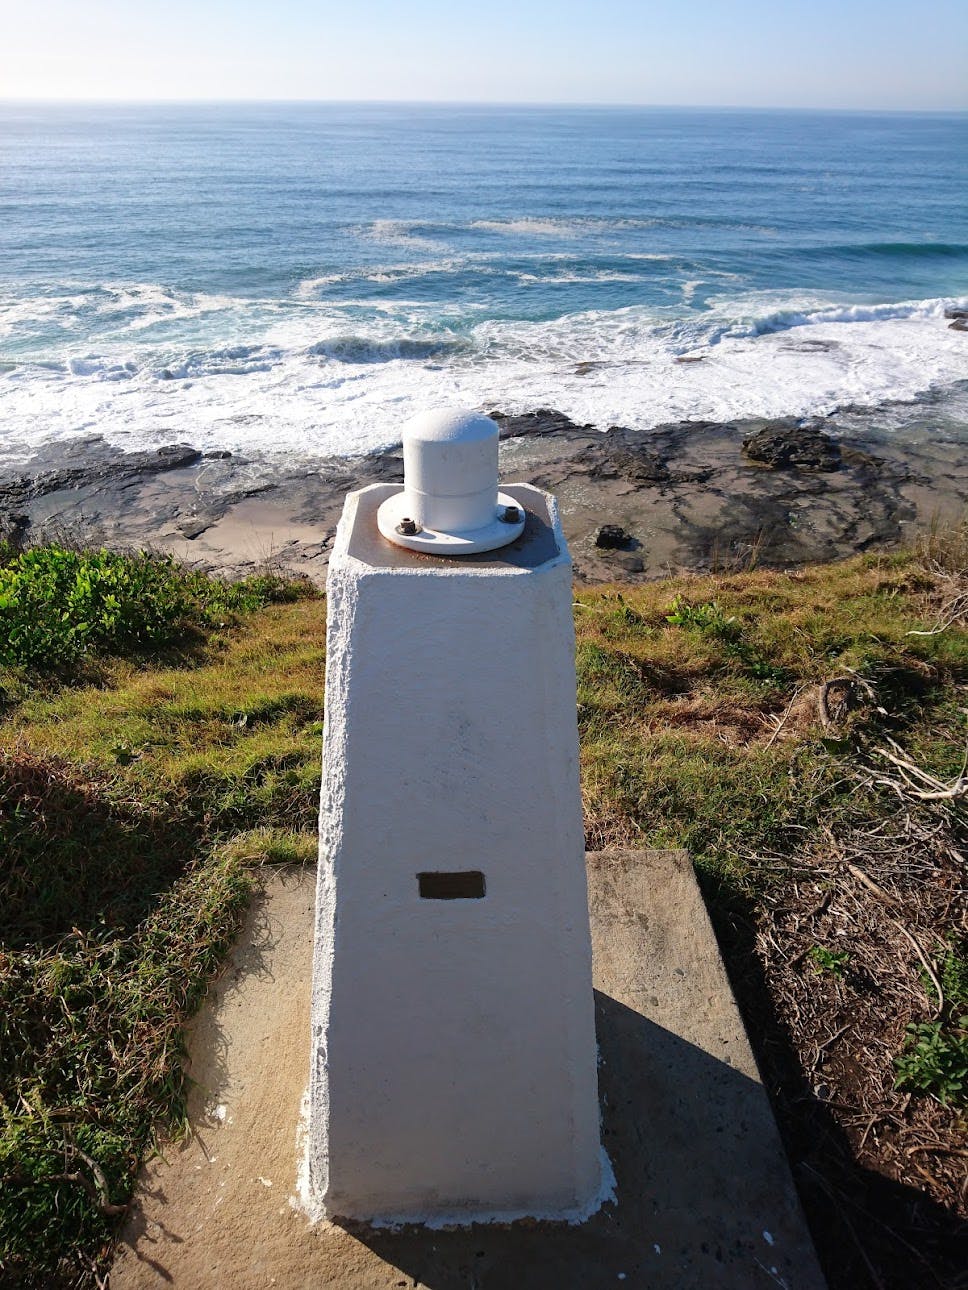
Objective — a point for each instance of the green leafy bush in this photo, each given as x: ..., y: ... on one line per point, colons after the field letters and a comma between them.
x: 953, y: 972
x: 58, y: 606
x: 935, y: 1061
x: 834, y: 961
x: 708, y: 619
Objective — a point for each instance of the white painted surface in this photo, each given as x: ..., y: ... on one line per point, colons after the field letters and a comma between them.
x: 454, y: 1073
x: 450, y: 487
x: 500, y: 531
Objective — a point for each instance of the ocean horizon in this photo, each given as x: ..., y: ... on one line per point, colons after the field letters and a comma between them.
x: 298, y: 278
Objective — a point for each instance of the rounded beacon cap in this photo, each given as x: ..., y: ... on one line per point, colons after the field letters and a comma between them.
x: 450, y: 502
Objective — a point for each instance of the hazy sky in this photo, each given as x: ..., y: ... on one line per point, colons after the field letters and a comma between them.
x: 825, y: 53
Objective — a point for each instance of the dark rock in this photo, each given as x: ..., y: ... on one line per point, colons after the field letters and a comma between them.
x: 624, y: 453
x: 785, y: 447
x: 612, y: 537
x: 641, y: 467
x: 171, y: 457
x: 637, y: 467
x: 685, y: 483
x: 97, y: 470
x: 544, y: 421
x: 957, y: 314
x: 194, y: 528
x: 387, y: 468
x: 959, y: 324
x: 860, y: 460
x: 631, y: 563
x: 217, y: 454
x: 809, y: 345
x: 690, y: 358
x: 13, y: 529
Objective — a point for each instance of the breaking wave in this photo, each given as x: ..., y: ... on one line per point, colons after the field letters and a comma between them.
x: 314, y: 376
x: 363, y: 349
x: 889, y: 250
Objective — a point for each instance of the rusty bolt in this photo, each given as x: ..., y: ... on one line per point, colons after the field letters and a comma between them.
x: 512, y: 515
x: 408, y: 527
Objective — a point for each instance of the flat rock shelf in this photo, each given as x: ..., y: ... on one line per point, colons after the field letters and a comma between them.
x: 704, y: 1196
x: 688, y: 495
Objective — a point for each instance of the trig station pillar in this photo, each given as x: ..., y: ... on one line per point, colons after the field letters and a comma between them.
x: 453, y: 1043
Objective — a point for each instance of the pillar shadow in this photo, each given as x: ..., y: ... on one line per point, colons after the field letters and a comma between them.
x: 76, y: 859
x: 870, y: 1232
x: 703, y: 1194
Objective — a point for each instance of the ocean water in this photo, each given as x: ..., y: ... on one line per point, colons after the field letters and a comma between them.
x: 299, y: 279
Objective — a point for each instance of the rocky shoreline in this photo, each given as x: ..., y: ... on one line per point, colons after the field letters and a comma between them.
x: 692, y: 495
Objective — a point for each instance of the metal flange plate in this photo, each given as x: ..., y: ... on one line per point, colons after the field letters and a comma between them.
x: 498, y: 533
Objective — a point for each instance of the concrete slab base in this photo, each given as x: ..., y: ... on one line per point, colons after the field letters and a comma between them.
x: 704, y: 1195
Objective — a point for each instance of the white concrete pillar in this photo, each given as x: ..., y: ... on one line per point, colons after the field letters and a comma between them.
x: 454, y: 1057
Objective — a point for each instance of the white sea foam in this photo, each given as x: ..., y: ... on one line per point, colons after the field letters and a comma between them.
x: 491, y: 263
x: 580, y: 226
x: 315, y: 379
x: 784, y: 318
x: 689, y: 290
x: 574, y: 279
x: 64, y: 310
x: 308, y: 288
x: 391, y: 274
x: 101, y: 370
x: 415, y: 235
x: 105, y: 308
x: 534, y: 227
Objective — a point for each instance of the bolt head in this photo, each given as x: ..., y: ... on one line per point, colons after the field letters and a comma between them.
x: 512, y: 515
x: 408, y: 527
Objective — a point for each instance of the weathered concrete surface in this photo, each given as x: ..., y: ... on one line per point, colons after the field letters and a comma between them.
x: 705, y: 1200
x: 453, y: 1065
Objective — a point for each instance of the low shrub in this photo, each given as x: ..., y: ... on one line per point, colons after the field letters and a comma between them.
x: 58, y: 606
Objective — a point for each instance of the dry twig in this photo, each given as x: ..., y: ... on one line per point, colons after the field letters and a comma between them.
x: 951, y: 612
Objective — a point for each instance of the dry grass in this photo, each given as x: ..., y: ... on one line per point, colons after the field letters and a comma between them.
x: 804, y: 735
x: 943, y: 547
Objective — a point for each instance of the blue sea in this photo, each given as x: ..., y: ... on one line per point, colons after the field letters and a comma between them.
x: 300, y: 279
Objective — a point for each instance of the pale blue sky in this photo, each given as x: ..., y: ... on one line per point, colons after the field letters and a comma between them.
x: 821, y: 53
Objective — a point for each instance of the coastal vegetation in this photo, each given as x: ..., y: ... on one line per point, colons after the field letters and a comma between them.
x: 802, y: 734
x: 60, y: 607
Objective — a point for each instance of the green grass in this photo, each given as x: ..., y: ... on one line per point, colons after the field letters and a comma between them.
x: 136, y: 803
x: 149, y: 769
x: 90, y: 1031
